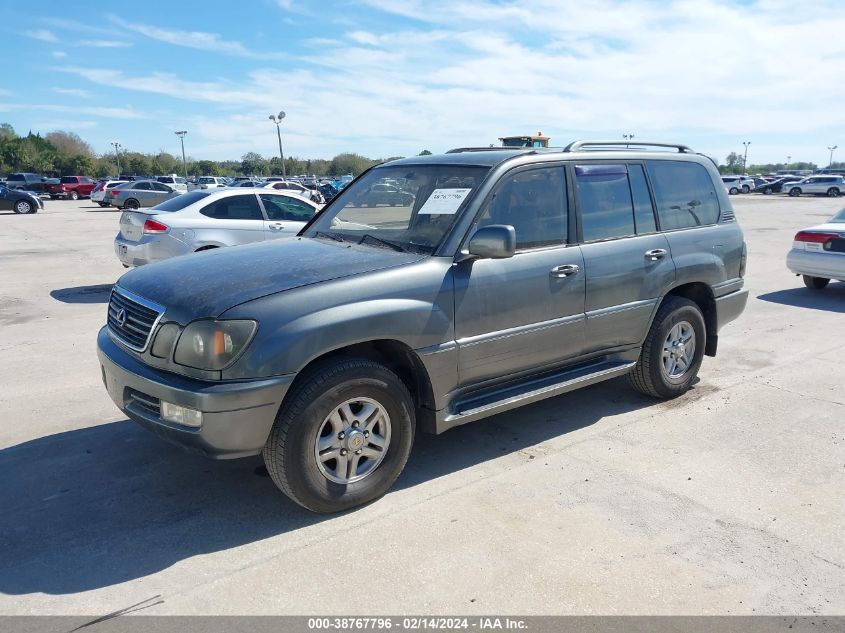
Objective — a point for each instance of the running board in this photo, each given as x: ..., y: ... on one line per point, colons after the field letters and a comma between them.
x: 475, y: 408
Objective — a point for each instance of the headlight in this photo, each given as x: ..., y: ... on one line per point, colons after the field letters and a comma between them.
x: 212, y: 345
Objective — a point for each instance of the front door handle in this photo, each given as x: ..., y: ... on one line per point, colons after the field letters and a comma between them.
x: 655, y: 254
x: 566, y: 270
x: 276, y: 226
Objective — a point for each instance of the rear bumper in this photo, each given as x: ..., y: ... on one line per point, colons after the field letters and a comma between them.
x: 816, y: 264
x: 237, y: 416
x: 150, y: 249
x: 730, y: 306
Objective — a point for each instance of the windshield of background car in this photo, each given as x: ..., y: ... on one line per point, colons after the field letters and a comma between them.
x: 839, y: 217
x: 407, y: 207
x: 180, y: 202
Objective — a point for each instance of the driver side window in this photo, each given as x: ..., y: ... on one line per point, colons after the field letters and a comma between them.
x: 533, y: 201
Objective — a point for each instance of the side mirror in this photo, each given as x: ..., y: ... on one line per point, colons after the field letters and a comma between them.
x: 497, y: 241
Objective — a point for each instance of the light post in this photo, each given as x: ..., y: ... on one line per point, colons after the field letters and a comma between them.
x: 745, y: 157
x: 117, y: 147
x: 181, y: 135
x: 830, y: 162
x: 627, y: 137
x: 788, y: 161
x: 277, y: 119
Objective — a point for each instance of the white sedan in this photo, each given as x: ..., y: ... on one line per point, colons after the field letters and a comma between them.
x: 818, y: 253
x: 209, y: 218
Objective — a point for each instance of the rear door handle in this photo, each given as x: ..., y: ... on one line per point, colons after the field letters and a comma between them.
x: 277, y: 226
x: 566, y: 270
x: 656, y: 253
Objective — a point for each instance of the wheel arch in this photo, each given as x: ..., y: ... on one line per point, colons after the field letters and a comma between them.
x: 398, y: 358
x: 702, y: 295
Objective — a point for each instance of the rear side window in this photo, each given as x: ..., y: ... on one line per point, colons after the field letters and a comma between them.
x: 145, y: 186
x: 684, y: 194
x: 241, y: 207
x: 180, y: 202
x: 604, y: 196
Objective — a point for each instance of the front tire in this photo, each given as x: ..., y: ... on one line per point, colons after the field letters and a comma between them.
x: 767, y: 191
x: 746, y: 189
x: 733, y: 191
x: 24, y: 207
x: 673, y: 350
x: 343, y: 435
x: 816, y: 283
x: 794, y: 192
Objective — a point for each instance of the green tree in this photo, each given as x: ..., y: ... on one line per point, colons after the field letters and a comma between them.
x: 425, y: 152
x: 253, y: 163
x: 204, y: 168
x: 734, y: 163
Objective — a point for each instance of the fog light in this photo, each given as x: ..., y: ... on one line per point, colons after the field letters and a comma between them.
x: 180, y: 415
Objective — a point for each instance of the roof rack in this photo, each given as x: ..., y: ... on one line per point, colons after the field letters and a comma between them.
x: 459, y: 150
x: 577, y: 145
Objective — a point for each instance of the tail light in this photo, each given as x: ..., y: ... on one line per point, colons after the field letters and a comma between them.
x: 152, y: 226
x: 813, y: 241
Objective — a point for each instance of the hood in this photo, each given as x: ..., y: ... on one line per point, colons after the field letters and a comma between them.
x: 208, y: 283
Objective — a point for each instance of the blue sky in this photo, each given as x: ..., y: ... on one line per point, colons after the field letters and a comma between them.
x: 393, y: 77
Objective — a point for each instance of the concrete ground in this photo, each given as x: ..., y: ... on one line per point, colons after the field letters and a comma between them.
x: 729, y: 500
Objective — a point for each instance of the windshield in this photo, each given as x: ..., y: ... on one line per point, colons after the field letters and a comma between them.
x: 205, y: 180
x: 180, y: 202
x: 839, y: 217
x: 403, y: 207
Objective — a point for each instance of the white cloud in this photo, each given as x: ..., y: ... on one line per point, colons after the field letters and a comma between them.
x: 63, y: 124
x: 107, y: 112
x: 73, y: 92
x: 59, y: 54
x: 192, y: 39
x: 43, y: 35
x: 104, y: 43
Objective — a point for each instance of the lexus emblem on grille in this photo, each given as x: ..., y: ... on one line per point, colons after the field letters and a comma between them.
x: 121, y: 317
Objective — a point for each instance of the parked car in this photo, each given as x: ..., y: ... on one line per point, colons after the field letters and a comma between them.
x: 71, y: 187
x: 325, y: 351
x: 738, y: 184
x: 176, y: 183
x: 328, y: 191
x: 26, y: 181
x: 22, y: 202
x: 206, y: 219
x: 818, y: 253
x: 818, y: 185
x: 297, y: 188
x: 138, y: 194
x: 98, y: 193
x: 777, y: 185
x: 211, y: 182
x: 248, y: 183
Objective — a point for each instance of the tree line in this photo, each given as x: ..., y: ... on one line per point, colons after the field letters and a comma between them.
x: 63, y: 153
x: 734, y: 165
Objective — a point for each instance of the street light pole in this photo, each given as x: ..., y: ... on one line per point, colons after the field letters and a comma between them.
x: 745, y: 157
x: 788, y: 161
x: 627, y: 137
x: 117, y: 147
x: 181, y: 135
x: 277, y: 119
x: 830, y: 162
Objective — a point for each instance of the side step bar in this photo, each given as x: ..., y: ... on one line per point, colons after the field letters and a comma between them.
x: 477, y: 407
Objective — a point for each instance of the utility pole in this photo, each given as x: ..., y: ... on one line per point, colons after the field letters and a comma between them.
x: 277, y: 119
x: 181, y: 135
x: 117, y: 147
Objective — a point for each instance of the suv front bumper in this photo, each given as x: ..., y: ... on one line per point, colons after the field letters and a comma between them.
x: 237, y: 416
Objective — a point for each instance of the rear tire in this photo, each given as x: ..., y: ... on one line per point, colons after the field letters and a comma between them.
x: 131, y: 204
x: 794, y: 192
x: 667, y: 367
x: 746, y: 189
x: 816, y: 283
x: 73, y: 195
x: 733, y: 191
x: 833, y: 192
x: 316, y: 414
x: 767, y: 190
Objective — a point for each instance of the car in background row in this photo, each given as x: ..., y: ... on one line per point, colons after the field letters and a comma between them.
x: 831, y: 186
x: 738, y: 184
x: 211, y: 182
x: 98, y: 193
x: 174, y: 182
x: 21, y: 202
x: 70, y: 187
x: 777, y: 185
x: 818, y: 253
x: 202, y: 220
x: 138, y: 194
x: 26, y: 181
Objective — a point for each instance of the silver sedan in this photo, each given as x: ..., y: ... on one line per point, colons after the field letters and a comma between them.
x: 818, y: 253
x: 209, y: 218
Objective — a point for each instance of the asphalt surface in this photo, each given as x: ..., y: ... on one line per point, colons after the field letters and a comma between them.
x: 729, y: 500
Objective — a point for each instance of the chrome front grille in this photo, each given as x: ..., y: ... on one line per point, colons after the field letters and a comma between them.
x: 131, y: 318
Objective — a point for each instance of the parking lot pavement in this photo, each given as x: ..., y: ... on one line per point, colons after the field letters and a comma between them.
x: 728, y: 500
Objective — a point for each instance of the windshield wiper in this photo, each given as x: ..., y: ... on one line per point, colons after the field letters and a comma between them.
x: 373, y: 238
x: 336, y: 238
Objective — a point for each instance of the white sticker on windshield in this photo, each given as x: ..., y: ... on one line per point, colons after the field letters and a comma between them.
x: 444, y: 201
